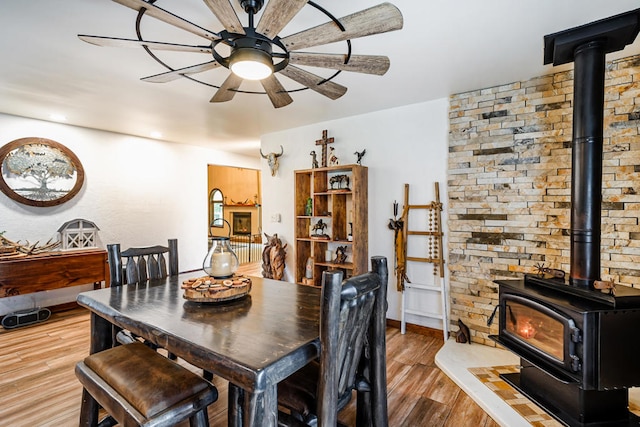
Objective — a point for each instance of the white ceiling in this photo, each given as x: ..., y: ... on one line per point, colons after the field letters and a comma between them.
x: 445, y: 47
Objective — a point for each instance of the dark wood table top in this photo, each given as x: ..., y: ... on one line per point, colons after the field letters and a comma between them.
x: 254, y: 342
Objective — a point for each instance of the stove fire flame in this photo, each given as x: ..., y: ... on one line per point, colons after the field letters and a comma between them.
x: 525, y: 329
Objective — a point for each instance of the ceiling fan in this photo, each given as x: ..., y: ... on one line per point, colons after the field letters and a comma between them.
x: 257, y: 52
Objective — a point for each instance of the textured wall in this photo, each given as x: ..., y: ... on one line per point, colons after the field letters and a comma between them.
x: 509, y: 185
x: 404, y: 145
x: 138, y: 191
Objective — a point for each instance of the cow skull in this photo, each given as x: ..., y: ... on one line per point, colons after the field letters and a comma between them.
x: 272, y: 160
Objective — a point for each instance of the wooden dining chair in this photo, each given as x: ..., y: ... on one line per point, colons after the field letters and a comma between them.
x: 139, y: 387
x: 136, y: 265
x: 352, y: 355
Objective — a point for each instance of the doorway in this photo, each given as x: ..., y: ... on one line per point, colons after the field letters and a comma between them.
x: 235, y: 210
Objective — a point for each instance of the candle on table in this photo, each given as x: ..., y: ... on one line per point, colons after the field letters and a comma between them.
x: 221, y: 264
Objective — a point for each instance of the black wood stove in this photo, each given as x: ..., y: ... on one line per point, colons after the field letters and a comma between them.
x: 579, y: 346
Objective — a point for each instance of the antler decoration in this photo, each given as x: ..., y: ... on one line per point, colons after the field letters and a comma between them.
x: 542, y: 270
x: 11, y: 249
x: 605, y: 285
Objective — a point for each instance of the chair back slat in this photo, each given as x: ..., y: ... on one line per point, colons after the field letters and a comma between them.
x: 142, y: 271
x: 142, y: 264
x: 154, y: 267
x: 131, y: 270
x: 161, y: 266
x: 360, y: 312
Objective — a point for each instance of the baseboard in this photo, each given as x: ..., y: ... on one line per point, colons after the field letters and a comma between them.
x: 63, y: 307
x: 418, y: 329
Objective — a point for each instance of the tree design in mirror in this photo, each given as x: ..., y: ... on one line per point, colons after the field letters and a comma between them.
x: 39, y: 172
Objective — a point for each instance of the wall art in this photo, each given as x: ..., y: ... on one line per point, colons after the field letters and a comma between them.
x: 39, y: 172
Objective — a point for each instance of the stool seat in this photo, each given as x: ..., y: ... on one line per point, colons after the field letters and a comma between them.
x: 138, y: 386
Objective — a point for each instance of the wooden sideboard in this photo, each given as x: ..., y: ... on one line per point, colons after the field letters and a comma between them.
x: 53, y: 270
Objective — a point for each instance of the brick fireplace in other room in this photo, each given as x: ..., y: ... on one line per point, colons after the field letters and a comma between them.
x: 241, y: 223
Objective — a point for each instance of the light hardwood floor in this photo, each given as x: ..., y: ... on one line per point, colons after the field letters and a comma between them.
x: 38, y: 386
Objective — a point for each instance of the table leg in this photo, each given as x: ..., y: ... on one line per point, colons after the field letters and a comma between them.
x: 261, y: 408
x: 100, y: 340
x: 235, y: 405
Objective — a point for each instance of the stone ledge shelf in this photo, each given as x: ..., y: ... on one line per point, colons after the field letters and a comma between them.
x: 455, y: 359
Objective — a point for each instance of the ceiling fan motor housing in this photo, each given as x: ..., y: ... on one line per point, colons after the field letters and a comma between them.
x: 252, y: 6
x: 252, y: 43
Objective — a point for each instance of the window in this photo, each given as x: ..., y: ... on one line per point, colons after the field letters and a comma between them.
x: 216, y: 208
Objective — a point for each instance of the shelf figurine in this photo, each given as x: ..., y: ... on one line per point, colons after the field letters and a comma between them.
x: 341, y: 255
x: 308, y: 271
x: 333, y: 159
x: 339, y: 179
x: 318, y: 229
x: 308, y: 207
x: 359, y: 156
x: 314, y: 160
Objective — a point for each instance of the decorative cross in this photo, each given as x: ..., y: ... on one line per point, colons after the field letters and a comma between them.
x: 324, y: 141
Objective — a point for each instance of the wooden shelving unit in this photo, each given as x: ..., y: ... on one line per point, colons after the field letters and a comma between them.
x: 338, y: 207
x: 343, y: 208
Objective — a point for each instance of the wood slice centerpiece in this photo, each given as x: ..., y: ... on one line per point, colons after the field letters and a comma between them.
x: 210, y: 289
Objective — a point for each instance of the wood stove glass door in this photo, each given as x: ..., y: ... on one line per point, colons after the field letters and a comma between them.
x: 536, y: 328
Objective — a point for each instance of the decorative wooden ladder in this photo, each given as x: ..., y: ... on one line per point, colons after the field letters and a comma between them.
x: 434, y: 255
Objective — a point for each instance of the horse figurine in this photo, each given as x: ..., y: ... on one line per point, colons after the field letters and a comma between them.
x: 339, y: 179
x: 319, y: 226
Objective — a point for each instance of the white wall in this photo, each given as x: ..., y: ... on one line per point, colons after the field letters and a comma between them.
x: 404, y: 145
x: 138, y: 191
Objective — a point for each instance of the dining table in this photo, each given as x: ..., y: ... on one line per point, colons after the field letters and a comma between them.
x: 253, y: 342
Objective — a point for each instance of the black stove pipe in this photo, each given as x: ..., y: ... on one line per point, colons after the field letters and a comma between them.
x: 587, y: 46
x: 586, y: 163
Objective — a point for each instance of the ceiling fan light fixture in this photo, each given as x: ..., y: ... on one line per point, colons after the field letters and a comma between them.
x: 251, y: 64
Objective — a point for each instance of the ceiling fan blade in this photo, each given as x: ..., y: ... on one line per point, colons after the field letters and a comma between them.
x: 277, y: 15
x: 169, y: 18
x: 176, y: 74
x: 375, y: 20
x: 118, y: 42
x: 228, y: 89
x: 369, y: 64
x: 276, y: 92
x: 226, y: 15
x: 329, y: 89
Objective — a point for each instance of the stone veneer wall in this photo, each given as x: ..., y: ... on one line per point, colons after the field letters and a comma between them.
x: 509, y: 186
